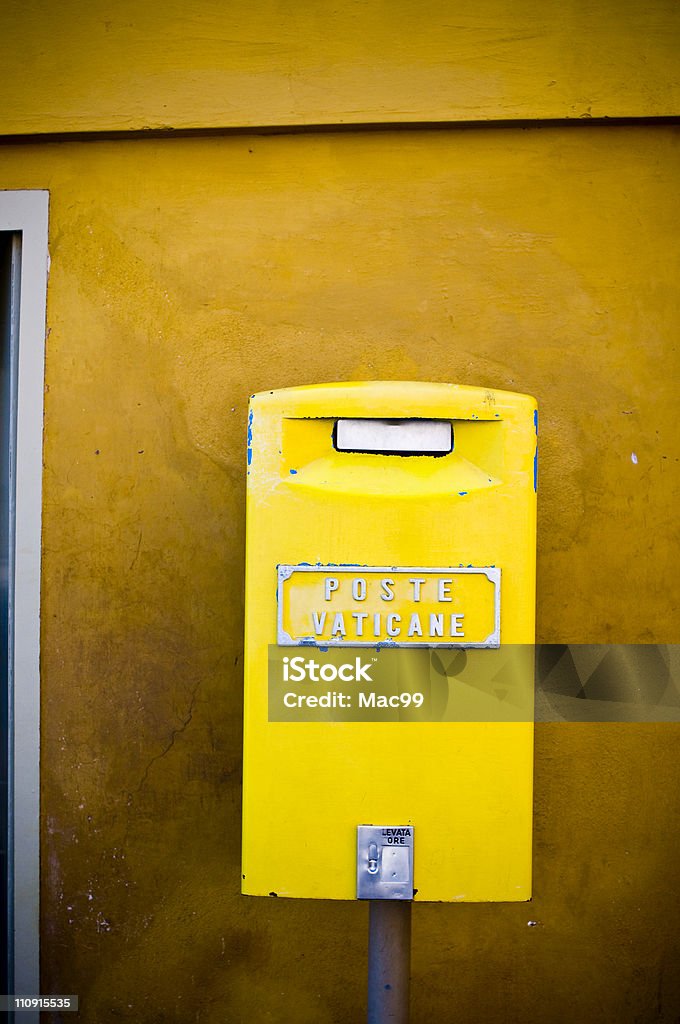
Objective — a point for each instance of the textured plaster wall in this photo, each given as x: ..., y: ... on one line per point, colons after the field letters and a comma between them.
x: 187, y: 274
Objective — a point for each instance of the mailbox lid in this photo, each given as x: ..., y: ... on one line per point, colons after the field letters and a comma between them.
x: 394, y: 399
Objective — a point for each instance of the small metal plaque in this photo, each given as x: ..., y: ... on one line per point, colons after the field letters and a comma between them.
x: 385, y: 862
x: 395, y: 606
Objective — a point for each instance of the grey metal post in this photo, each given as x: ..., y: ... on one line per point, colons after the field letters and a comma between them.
x: 389, y: 961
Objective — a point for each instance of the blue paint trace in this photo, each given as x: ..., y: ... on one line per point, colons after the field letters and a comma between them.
x: 536, y: 452
x: 293, y: 472
x: 334, y: 565
x: 462, y: 493
x: 250, y: 437
x: 343, y: 565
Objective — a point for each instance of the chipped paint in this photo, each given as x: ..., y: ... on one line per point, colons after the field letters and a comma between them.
x: 250, y: 437
x: 536, y: 452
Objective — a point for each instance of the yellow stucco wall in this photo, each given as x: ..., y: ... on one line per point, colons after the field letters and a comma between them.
x: 122, y: 64
x: 187, y: 274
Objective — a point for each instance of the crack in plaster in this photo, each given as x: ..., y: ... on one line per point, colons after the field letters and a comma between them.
x: 173, y: 736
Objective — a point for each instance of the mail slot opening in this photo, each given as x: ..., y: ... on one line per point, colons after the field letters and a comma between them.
x: 394, y: 437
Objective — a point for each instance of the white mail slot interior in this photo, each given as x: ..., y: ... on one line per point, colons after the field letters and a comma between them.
x: 415, y: 437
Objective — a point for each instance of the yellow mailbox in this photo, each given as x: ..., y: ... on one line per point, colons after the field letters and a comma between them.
x: 390, y: 587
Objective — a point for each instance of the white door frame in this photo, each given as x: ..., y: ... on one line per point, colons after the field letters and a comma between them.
x: 26, y: 213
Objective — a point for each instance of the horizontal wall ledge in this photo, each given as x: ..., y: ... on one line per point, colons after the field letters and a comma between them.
x: 310, y: 129
x: 127, y: 66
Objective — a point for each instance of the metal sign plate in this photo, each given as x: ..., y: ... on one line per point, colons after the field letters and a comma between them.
x: 396, y: 606
x: 385, y: 862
